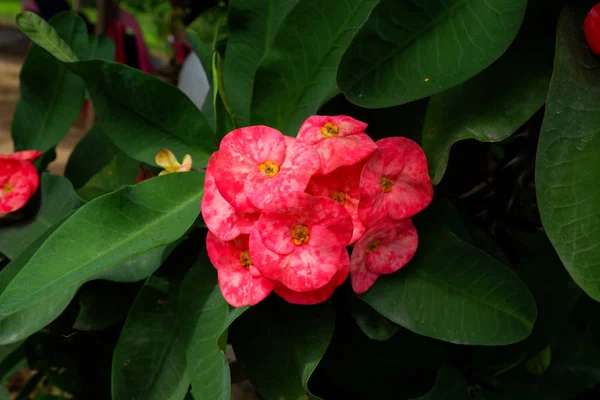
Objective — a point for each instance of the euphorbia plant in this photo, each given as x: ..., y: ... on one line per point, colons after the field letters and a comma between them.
x: 327, y: 212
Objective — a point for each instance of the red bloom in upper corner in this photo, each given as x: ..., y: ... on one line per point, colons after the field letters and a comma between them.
x: 339, y: 140
x: 258, y: 164
x: 319, y: 295
x: 591, y: 29
x: 298, y: 240
x: 220, y: 217
x: 342, y: 185
x: 394, y: 182
x: 383, y: 249
x: 241, y: 284
x: 19, y: 179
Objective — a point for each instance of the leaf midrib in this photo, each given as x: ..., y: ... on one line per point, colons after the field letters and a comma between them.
x: 100, y: 255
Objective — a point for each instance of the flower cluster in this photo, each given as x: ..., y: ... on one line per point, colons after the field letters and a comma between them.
x: 282, y: 211
x: 19, y: 179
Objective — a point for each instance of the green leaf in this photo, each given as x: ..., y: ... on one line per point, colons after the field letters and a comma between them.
x: 149, y: 359
x: 142, y: 114
x: 58, y: 200
x: 102, y: 304
x: 455, y: 292
x: 539, y: 363
x: 569, y: 153
x: 224, y: 119
x: 3, y: 393
x: 18, y: 325
x: 374, y: 325
x: 11, y: 356
x: 491, y: 106
x: 120, y: 171
x: 298, y: 74
x: 449, y: 385
x: 204, y: 317
x: 280, y: 345
x: 51, y: 96
x: 408, y: 50
x: 81, y: 167
x: 253, y: 25
x: 101, y: 47
x: 45, y: 35
x: 103, y: 233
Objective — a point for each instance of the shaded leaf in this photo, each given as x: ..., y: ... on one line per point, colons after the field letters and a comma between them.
x: 568, y: 155
x: 102, y: 304
x: 204, y: 317
x: 149, y: 359
x: 57, y: 201
x: 280, y: 345
x: 449, y: 385
x: 122, y: 170
x: 142, y: 114
x: 298, y: 73
x: 408, y: 50
x: 105, y: 232
x: 455, y: 292
x: 374, y: 325
x: 51, y: 96
x: 101, y: 47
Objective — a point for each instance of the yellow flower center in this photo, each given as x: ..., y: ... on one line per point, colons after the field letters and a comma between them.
x: 339, y: 196
x: 7, y: 188
x: 269, y: 168
x: 386, y: 184
x: 245, y: 260
x: 330, y: 130
x: 372, y: 246
x: 300, y: 234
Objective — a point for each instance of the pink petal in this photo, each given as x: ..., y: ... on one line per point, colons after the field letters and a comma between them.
x: 403, y: 161
x: 396, y: 253
x: 301, y: 163
x: 18, y: 182
x: 281, y: 215
x: 343, y: 151
x: 310, y: 131
x: 25, y: 155
x: 220, y: 217
x: 362, y: 280
x: 319, y: 295
x: 240, y: 288
x: 313, y: 264
x: 240, y: 154
x: 268, y: 263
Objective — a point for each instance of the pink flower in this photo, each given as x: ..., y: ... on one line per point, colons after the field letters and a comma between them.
x: 394, y: 182
x: 257, y: 164
x: 319, y: 295
x: 19, y: 179
x: 241, y: 284
x: 339, y: 140
x: 342, y: 185
x: 221, y: 218
x: 383, y: 249
x: 298, y: 240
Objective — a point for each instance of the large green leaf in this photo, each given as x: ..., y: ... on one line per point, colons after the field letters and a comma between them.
x: 58, y: 200
x: 204, y: 317
x: 149, y: 359
x: 102, y: 304
x: 449, y: 385
x: 81, y: 167
x: 280, y: 345
x: 455, y: 292
x: 374, y: 325
x: 51, y: 96
x: 101, y: 48
x: 252, y: 28
x: 491, y: 106
x: 142, y: 114
x: 568, y: 155
x: 120, y: 171
x: 411, y: 49
x: 103, y: 233
x: 298, y: 73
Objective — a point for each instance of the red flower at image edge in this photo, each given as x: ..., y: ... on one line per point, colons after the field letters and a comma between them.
x: 394, y: 182
x: 383, y: 249
x: 240, y: 282
x: 298, y: 241
x: 258, y: 164
x: 340, y: 140
x: 591, y: 29
x: 19, y: 180
x: 222, y: 218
